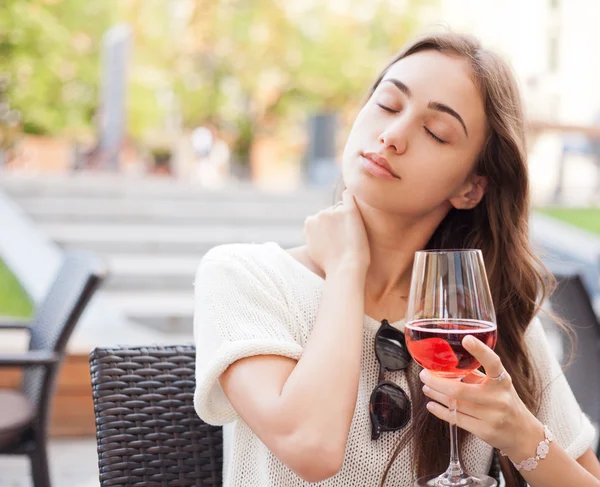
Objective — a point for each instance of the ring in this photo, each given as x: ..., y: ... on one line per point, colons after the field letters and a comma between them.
x: 500, y: 377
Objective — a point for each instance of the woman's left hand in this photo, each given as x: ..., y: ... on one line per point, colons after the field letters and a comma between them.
x: 491, y: 410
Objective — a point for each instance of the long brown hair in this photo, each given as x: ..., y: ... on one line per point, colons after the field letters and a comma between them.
x: 499, y: 227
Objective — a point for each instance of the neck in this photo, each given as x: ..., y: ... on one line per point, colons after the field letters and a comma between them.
x: 393, y: 241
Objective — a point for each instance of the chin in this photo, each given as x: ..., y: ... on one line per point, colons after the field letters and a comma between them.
x: 374, y: 192
x: 366, y: 190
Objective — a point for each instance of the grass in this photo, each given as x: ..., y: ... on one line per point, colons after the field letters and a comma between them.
x: 13, y: 299
x: 586, y: 218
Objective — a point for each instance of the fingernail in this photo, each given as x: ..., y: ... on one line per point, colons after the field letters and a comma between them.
x: 469, y: 341
x: 429, y: 405
x: 425, y: 389
x: 422, y: 374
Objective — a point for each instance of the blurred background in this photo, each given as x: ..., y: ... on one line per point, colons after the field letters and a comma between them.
x: 148, y: 131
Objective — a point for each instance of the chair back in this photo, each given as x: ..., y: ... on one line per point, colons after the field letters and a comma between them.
x: 147, y: 430
x: 55, y: 318
x: 572, y: 303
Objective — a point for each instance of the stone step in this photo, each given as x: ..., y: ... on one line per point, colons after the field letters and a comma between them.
x: 126, y: 282
x: 165, y: 311
x: 133, y: 238
x: 151, y: 271
x: 166, y: 211
x: 117, y: 186
x: 150, y: 264
x: 168, y: 248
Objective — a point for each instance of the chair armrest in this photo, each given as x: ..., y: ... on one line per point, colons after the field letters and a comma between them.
x: 14, y: 323
x: 29, y: 358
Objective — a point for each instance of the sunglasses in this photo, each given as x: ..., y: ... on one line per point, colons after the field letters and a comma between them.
x: 389, y: 406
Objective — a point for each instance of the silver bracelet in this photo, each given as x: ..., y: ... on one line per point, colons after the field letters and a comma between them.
x: 541, y: 453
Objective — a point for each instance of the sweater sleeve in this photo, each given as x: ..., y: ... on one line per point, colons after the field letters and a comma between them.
x: 239, y: 312
x: 559, y: 409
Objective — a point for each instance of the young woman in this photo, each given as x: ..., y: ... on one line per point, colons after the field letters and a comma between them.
x: 285, y: 338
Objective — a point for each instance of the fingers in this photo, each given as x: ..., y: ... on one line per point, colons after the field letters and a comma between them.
x: 346, y: 201
x: 469, y: 423
x: 475, y: 377
x: 454, y: 388
x: 484, y: 355
x: 309, y: 221
x: 347, y: 198
x: 464, y: 407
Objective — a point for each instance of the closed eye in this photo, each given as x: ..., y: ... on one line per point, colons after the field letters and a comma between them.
x: 387, y: 109
x: 429, y: 132
x: 434, y: 137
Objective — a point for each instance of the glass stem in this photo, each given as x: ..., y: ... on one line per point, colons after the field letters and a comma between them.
x: 455, y: 469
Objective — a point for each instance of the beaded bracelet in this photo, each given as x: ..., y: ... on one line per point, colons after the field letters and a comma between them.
x: 541, y: 453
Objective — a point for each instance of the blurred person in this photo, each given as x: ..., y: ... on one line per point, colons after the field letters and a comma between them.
x: 212, y: 157
x: 220, y: 159
x: 285, y: 338
x: 202, y: 141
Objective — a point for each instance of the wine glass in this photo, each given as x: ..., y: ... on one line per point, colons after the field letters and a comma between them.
x: 449, y: 299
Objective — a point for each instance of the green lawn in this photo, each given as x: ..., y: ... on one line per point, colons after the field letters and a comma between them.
x: 588, y: 218
x: 13, y: 300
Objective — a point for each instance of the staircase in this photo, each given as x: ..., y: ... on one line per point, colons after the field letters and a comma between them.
x: 153, y: 232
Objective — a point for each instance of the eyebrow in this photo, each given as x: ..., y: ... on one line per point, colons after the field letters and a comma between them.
x: 433, y: 105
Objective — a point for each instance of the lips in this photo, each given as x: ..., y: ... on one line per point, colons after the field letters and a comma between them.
x: 378, y: 165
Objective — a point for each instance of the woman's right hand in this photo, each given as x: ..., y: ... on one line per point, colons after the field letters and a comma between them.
x: 336, y: 237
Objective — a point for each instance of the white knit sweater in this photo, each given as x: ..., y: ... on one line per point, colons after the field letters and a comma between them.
x: 256, y: 299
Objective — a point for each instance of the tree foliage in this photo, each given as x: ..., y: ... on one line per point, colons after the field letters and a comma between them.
x: 50, y: 50
x: 247, y: 66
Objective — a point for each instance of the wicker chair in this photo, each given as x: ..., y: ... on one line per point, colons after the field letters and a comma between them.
x: 148, y: 432
x: 25, y: 413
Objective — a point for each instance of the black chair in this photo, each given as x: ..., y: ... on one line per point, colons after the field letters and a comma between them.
x: 147, y: 430
x: 25, y: 413
x: 572, y: 303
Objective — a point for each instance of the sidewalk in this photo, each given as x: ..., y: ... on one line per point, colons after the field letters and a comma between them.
x: 73, y: 463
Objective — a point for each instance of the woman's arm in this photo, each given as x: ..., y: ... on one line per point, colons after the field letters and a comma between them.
x: 590, y: 462
x: 303, y: 411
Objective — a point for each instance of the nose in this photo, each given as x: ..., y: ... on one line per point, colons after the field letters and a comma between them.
x: 395, y: 136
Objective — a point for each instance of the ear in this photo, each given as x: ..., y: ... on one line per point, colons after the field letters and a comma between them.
x: 471, y: 193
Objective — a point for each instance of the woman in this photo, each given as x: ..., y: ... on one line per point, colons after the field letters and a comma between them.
x: 435, y: 159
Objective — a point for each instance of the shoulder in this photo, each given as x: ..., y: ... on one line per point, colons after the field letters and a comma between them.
x: 263, y: 262
x: 265, y: 269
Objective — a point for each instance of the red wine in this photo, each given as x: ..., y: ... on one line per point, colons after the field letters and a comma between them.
x: 436, y: 345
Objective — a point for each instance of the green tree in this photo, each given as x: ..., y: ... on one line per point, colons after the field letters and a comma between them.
x: 250, y: 67
x: 253, y: 66
x: 50, y: 50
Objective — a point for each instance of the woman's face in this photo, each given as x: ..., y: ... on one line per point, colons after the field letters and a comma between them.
x: 426, y: 123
